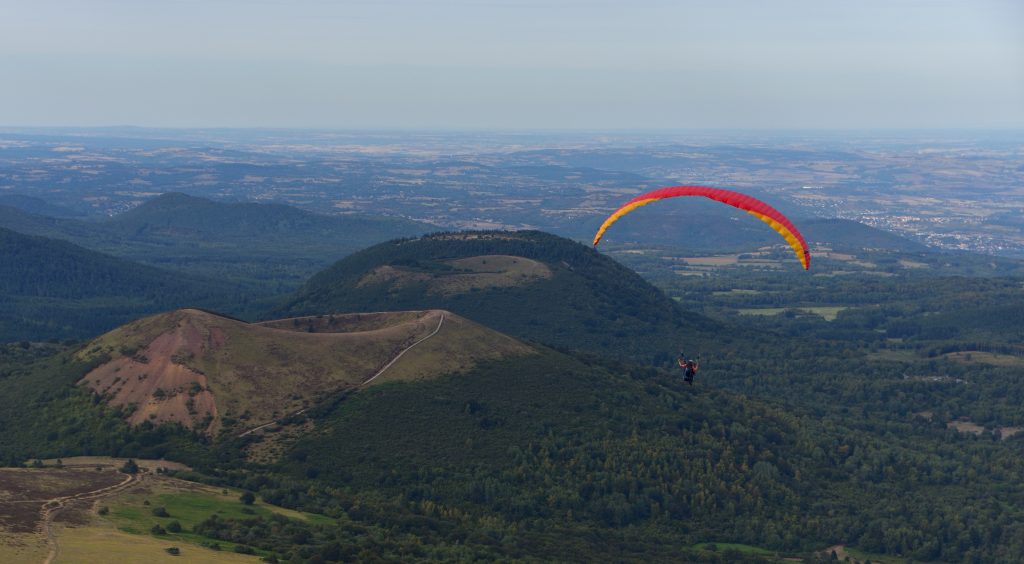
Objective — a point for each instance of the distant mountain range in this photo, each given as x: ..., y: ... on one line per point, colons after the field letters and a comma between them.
x: 53, y: 289
x: 845, y: 234
x: 267, y: 245
x: 36, y: 206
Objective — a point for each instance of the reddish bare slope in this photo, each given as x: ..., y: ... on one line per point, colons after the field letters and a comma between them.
x: 212, y: 373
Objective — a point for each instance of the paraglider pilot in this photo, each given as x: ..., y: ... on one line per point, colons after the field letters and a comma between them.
x: 690, y: 368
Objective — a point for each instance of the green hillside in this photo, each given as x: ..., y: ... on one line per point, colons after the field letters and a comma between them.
x: 546, y: 456
x: 269, y: 247
x: 528, y: 284
x: 549, y: 457
x: 38, y: 206
x: 848, y: 234
x: 893, y: 430
x: 176, y: 216
x: 56, y: 290
x: 215, y: 374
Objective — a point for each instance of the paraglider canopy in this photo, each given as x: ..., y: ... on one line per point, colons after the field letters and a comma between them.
x: 749, y: 204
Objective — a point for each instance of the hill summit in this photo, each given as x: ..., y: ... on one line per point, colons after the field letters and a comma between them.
x: 212, y: 373
x: 55, y: 289
x: 528, y: 284
x: 178, y: 216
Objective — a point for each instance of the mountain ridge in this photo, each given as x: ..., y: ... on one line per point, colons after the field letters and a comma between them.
x: 267, y: 246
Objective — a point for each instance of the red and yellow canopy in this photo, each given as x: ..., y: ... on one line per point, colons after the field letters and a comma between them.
x: 753, y: 206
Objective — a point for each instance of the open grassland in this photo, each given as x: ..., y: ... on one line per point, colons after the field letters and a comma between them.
x: 895, y: 355
x: 994, y: 359
x: 36, y: 503
x: 463, y: 275
x: 344, y: 322
x: 851, y: 259
x: 23, y: 491
x: 212, y: 373
x: 828, y: 313
x: 729, y: 546
x: 496, y: 271
x: 125, y: 528
x: 907, y: 263
x: 737, y: 292
x: 23, y: 547
x: 712, y: 260
x: 458, y: 346
x: 860, y: 556
x: 189, y: 504
x: 102, y: 544
x: 967, y: 426
x: 107, y: 461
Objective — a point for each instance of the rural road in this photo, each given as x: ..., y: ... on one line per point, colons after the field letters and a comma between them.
x: 53, y: 506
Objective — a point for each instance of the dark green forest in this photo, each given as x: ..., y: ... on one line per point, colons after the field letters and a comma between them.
x: 825, y: 413
x: 269, y: 248
x: 52, y: 289
x: 77, y: 278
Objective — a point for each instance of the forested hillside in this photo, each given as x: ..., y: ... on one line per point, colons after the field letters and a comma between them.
x: 875, y: 405
x: 37, y: 206
x: 549, y: 456
x: 271, y: 248
x: 55, y: 290
x: 525, y: 283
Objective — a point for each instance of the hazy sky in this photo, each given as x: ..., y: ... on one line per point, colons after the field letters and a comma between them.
x: 551, y: 64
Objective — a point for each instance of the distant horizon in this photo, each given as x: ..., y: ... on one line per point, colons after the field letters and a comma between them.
x: 594, y: 65
x: 6, y: 128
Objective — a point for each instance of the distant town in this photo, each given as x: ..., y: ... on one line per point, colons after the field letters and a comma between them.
x: 950, y: 193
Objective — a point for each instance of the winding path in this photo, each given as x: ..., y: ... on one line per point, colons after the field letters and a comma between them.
x: 53, y: 506
x: 265, y: 425
x: 405, y: 350
x: 365, y: 383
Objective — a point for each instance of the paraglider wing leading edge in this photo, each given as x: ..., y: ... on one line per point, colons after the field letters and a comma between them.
x: 753, y: 206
